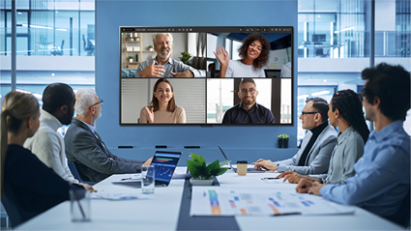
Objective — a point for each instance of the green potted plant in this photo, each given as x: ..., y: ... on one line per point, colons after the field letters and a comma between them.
x: 283, y: 140
x: 130, y: 59
x: 202, y: 173
x: 150, y: 48
x: 186, y: 57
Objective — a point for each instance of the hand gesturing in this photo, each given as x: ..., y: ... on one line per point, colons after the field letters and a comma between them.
x: 153, y: 70
x: 222, y: 56
x: 150, y: 115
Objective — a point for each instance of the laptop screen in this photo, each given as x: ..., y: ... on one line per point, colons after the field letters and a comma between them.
x: 165, y: 164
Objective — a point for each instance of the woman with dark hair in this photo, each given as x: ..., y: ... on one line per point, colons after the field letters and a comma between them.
x: 254, y: 52
x: 163, y: 108
x: 345, y: 113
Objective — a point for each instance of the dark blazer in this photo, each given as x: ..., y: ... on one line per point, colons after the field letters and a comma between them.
x: 94, y: 161
x: 30, y: 187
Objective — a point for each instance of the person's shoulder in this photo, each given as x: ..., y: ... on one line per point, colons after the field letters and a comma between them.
x: 400, y: 139
x: 180, y: 110
x: 44, y: 131
x: 146, y: 62
x: 234, y: 108
x: 235, y: 63
x: 143, y: 110
x: 263, y: 108
x: 355, y: 137
x: 330, y: 132
x: 17, y: 152
x: 76, y: 129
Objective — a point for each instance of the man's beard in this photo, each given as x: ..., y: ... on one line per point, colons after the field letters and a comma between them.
x: 164, y: 56
x: 248, y: 102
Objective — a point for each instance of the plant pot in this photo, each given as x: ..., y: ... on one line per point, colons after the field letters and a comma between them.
x: 150, y: 49
x: 130, y: 60
x: 283, y: 143
x: 196, y: 182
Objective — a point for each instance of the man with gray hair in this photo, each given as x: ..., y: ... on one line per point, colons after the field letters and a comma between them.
x: 85, y: 147
x: 162, y: 65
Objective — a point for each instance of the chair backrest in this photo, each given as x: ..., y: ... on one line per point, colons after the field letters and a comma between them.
x: 73, y: 168
x: 11, y: 209
x: 402, y: 216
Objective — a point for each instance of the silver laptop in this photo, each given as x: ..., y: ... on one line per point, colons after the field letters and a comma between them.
x: 249, y: 170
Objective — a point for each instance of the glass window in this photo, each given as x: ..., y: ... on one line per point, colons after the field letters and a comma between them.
x: 22, y: 4
x: 228, y: 46
x: 87, y: 5
x: 220, y: 98
x: 305, y: 92
x: 66, y: 5
x: 67, y: 33
x: 87, y: 33
x: 42, y: 32
x: 211, y: 45
x: 286, y: 101
x: 42, y: 4
x: 236, y: 46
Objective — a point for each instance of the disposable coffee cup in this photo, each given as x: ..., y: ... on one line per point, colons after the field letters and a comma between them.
x: 242, y: 167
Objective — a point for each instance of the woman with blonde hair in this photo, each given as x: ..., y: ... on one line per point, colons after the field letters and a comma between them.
x: 28, y: 187
x: 163, y: 107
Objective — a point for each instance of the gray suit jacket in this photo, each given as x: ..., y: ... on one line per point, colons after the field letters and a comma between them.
x: 94, y: 161
x: 318, y: 159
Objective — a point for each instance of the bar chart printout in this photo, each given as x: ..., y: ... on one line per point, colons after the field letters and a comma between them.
x: 217, y: 201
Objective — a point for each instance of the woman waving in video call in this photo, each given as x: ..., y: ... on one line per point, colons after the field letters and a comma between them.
x: 254, y: 52
x: 163, y: 108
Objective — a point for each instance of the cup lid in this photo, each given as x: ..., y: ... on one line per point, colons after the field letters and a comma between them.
x: 242, y: 162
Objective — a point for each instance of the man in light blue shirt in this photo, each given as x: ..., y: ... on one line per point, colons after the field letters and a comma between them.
x: 164, y: 66
x: 382, y: 179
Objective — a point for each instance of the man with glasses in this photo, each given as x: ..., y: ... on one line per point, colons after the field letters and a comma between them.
x: 248, y: 111
x: 85, y: 147
x: 381, y: 184
x: 317, y: 146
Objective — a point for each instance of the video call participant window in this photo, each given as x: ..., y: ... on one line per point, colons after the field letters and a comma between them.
x: 162, y: 54
x: 256, y: 101
x: 249, y: 55
x: 183, y: 101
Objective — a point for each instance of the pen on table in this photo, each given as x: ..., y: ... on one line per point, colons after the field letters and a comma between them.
x: 270, y: 178
x: 126, y: 178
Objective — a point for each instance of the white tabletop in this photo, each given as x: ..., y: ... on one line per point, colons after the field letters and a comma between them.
x: 162, y: 211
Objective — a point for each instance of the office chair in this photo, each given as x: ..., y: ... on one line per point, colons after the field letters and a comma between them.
x: 88, y: 46
x: 402, y: 216
x: 73, y: 168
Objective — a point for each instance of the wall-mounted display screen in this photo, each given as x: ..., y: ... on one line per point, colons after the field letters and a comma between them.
x: 206, y: 75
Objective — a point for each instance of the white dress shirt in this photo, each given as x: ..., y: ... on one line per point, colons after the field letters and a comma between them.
x: 48, y: 145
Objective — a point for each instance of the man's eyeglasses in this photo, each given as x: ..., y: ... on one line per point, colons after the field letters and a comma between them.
x: 251, y: 90
x: 99, y: 102
x: 311, y: 112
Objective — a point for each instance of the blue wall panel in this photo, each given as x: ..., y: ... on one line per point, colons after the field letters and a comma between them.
x: 110, y: 15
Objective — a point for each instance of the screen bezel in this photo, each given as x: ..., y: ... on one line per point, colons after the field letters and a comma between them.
x: 222, y: 28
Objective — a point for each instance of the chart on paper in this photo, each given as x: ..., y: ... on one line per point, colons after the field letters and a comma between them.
x: 213, y: 201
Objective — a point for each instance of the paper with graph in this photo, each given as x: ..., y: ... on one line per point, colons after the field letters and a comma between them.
x: 219, y: 201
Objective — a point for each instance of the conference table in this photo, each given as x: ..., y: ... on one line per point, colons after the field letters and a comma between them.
x: 168, y: 209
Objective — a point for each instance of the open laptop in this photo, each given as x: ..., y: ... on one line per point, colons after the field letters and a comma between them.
x: 249, y: 170
x: 165, y: 163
